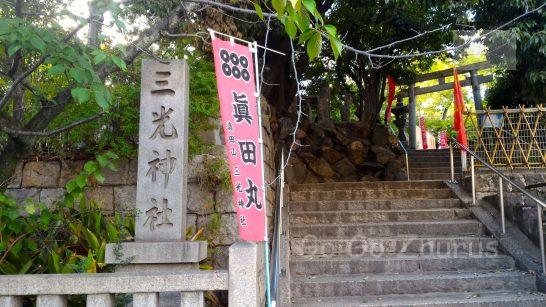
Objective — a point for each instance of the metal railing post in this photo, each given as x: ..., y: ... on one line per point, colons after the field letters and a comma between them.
x: 452, y: 163
x: 541, y: 237
x: 407, y: 166
x: 473, y: 180
x: 501, y: 194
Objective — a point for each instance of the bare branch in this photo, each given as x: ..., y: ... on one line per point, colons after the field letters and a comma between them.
x: 12, y: 131
x: 369, y: 53
x: 26, y: 73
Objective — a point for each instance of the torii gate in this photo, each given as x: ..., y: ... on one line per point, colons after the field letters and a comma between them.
x: 413, y: 91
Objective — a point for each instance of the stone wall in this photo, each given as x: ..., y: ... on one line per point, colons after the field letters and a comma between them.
x: 518, y: 209
x: 44, y: 181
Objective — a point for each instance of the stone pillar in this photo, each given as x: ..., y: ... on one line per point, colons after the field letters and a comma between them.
x: 101, y: 300
x: 11, y: 301
x: 476, y: 92
x: 51, y: 301
x: 412, y: 117
x: 162, y: 180
x: 246, y: 275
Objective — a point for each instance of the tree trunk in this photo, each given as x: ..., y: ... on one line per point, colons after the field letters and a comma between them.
x: 346, y: 109
x: 323, y: 105
x: 373, y: 97
x: 95, y: 24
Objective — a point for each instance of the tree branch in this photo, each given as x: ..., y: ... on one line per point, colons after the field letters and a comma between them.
x: 12, y: 131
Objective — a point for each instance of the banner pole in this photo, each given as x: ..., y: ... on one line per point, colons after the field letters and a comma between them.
x: 254, y: 48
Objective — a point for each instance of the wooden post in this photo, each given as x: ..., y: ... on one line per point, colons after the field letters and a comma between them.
x: 478, y: 103
x: 412, y: 117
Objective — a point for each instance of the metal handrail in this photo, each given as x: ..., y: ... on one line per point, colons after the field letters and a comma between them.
x: 403, y: 148
x: 277, y: 234
x: 540, y: 207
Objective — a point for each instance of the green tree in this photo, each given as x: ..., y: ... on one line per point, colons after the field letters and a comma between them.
x: 366, y: 25
x: 527, y: 83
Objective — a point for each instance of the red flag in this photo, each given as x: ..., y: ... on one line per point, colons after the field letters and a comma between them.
x: 392, y: 88
x: 458, y: 122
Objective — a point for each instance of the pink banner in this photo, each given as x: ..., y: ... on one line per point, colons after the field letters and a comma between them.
x: 423, y: 132
x: 443, y: 139
x: 234, y: 67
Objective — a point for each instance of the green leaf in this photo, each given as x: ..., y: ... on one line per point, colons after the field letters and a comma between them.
x: 119, y: 62
x: 336, y: 45
x: 291, y: 28
x: 100, y: 57
x: 302, y: 21
x: 38, y: 43
x: 71, y: 186
x: 55, y: 70
x: 314, y: 45
x: 56, y: 262
x: 91, y: 239
x: 80, y: 94
x: 78, y: 74
x: 13, y: 49
x: 258, y: 10
x: 26, y: 267
x: 30, y: 209
x: 306, y: 35
x: 100, y: 97
x: 81, y: 180
x: 90, y: 167
x: 332, y: 31
x: 99, y: 177
x: 279, y: 6
x: 311, y: 6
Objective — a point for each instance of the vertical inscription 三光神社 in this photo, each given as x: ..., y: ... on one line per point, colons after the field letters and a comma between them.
x: 162, y: 151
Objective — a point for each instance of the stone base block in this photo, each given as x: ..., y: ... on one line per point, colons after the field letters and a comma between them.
x: 155, y: 253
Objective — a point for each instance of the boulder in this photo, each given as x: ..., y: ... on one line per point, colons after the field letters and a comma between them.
x: 296, y: 171
x: 331, y: 155
x: 392, y: 169
x: 318, y: 165
x: 345, y: 169
x: 380, y: 135
x: 300, y: 134
x: 362, y: 129
x: 383, y: 155
x: 357, y: 152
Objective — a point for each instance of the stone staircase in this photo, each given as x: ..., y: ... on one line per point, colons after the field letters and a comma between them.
x: 433, y: 164
x: 396, y: 244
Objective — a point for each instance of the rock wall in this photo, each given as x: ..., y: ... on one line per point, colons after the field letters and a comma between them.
x: 518, y: 209
x: 347, y: 151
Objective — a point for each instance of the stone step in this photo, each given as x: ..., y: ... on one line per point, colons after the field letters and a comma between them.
x: 434, y: 170
x: 377, y: 204
x: 388, y: 284
x: 426, y: 245
x: 377, y: 185
x: 425, y: 163
x: 458, y: 299
x: 431, y: 159
x: 371, y: 194
x: 394, y: 263
x: 387, y: 229
x: 358, y: 216
x: 432, y: 176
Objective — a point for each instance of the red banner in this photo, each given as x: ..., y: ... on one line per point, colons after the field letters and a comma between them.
x: 443, y: 139
x: 234, y: 66
x: 423, y: 128
x: 458, y: 122
x: 392, y: 89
